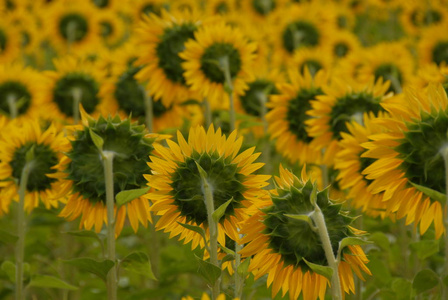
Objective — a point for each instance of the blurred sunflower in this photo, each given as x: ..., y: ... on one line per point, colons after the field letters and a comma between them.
x: 162, y: 40
x: 21, y: 140
x: 418, y: 15
x: 105, y: 4
x: 283, y: 247
x: 342, y: 102
x: 391, y: 61
x: 219, y: 7
x: 214, y: 45
x: 342, y: 44
x: 289, y: 113
x: 409, y: 155
x: 9, y: 42
x: 25, y: 24
x: 312, y: 59
x: 431, y: 73
x: 72, y: 26
x: 112, y: 27
x: 139, y: 9
x: 178, y: 197
x: 76, y: 81
x: 82, y: 170
x: 259, y: 11
x: 350, y: 164
x: 433, y: 46
x: 21, y: 92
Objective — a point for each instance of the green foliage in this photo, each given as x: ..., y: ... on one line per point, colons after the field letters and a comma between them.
x: 99, y: 268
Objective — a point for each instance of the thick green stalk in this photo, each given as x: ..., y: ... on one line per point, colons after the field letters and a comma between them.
x: 108, y: 159
x: 77, y: 98
x: 266, y: 153
x: 149, y: 110
x: 224, y: 63
x: 239, y: 280
x: 213, y: 229
x: 20, y: 246
x: 71, y: 32
x: 319, y: 221
x: 444, y: 152
x: 11, y: 99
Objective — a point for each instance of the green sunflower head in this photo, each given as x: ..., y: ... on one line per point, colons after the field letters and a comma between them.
x: 131, y: 154
x: 296, y: 240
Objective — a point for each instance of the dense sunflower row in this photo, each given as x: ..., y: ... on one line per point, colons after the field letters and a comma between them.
x: 182, y: 92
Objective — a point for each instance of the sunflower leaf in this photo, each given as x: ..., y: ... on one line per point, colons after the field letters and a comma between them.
x: 325, y: 271
x: 425, y: 280
x: 304, y: 218
x: 228, y: 257
x: 244, y: 267
x: 7, y: 238
x: 46, y: 281
x: 127, y: 196
x: 313, y: 196
x: 226, y: 250
x: 433, y: 194
x: 10, y: 269
x: 220, y: 211
x: 97, y: 140
x: 138, y: 262
x: 194, y: 228
x: 208, y: 271
x: 426, y: 248
x: 99, y: 268
x: 202, y: 172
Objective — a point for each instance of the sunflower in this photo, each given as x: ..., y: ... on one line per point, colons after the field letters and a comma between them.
x: 72, y: 26
x: 162, y: 40
x: 76, y: 81
x: 204, y: 55
x: 105, y: 4
x: 177, y: 196
x: 390, y: 60
x: 21, y: 92
x: 340, y: 103
x: 207, y: 297
x: 312, y: 59
x: 25, y: 24
x: 259, y: 11
x: 82, y: 170
x: 431, y: 73
x: 409, y: 157
x: 350, y: 165
x: 283, y: 247
x: 289, y: 113
x: 9, y: 42
x: 433, y: 46
x: 342, y: 44
x: 21, y: 140
x: 299, y: 26
x: 112, y: 27
x: 219, y: 7
x: 418, y: 15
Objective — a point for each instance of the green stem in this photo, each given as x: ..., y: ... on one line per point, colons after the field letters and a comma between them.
x: 224, y: 64
x: 213, y: 229
x: 108, y: 159
x: 149, y: 110
x: 71, y: 32
x: 333, y: 263
x: 21, y: 224
x: 77, y: 98
x: 239, y: 280
x: 444, y: 152
x: 11, y: 100
x: 324, y: 169
x: 266, y: 153
x: 207, y: 113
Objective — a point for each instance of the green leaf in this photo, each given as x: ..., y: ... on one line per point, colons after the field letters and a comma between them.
x: 313, y: 196
x: 244, y: 267
x: 202, y: 172
x: 29, y: 155
x: 194, y: 228
x: 445, y: 280
x: 426, y: 248
x: 124, y: 197
x: 208, y: 271
x: 402, y: 289
x: 99, y: 268
x: 228, y: 257
x: 325, y: 271
x: 7, y: 238
x: 85, y: 234
x: 46, y: 281
x: 221, y: 210
x: 97, y: 140
x: 190, y: 102
x: 10, y: 269
x: 304, y: 218
x: 433, y: 194
x: 380, y: 271
x: 425, y: 280
x: 138, y: 262
x: 381, y: 240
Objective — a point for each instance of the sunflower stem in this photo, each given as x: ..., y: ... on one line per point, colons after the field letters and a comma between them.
x: 71, y: 35
x: 444, y: 152
x: 239, y: 280
x: 266, y: 153
x: 213, y: 230
x: 77, y: 98
x: 21, y: 225
x: 108, y: 159
x: 225, y: 67
x: 207, y: 112
x: 149, y: 110
x: 11, y: 99
x: 333, y: 263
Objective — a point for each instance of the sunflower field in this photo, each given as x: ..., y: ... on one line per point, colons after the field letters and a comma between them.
x: 223, y: 149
